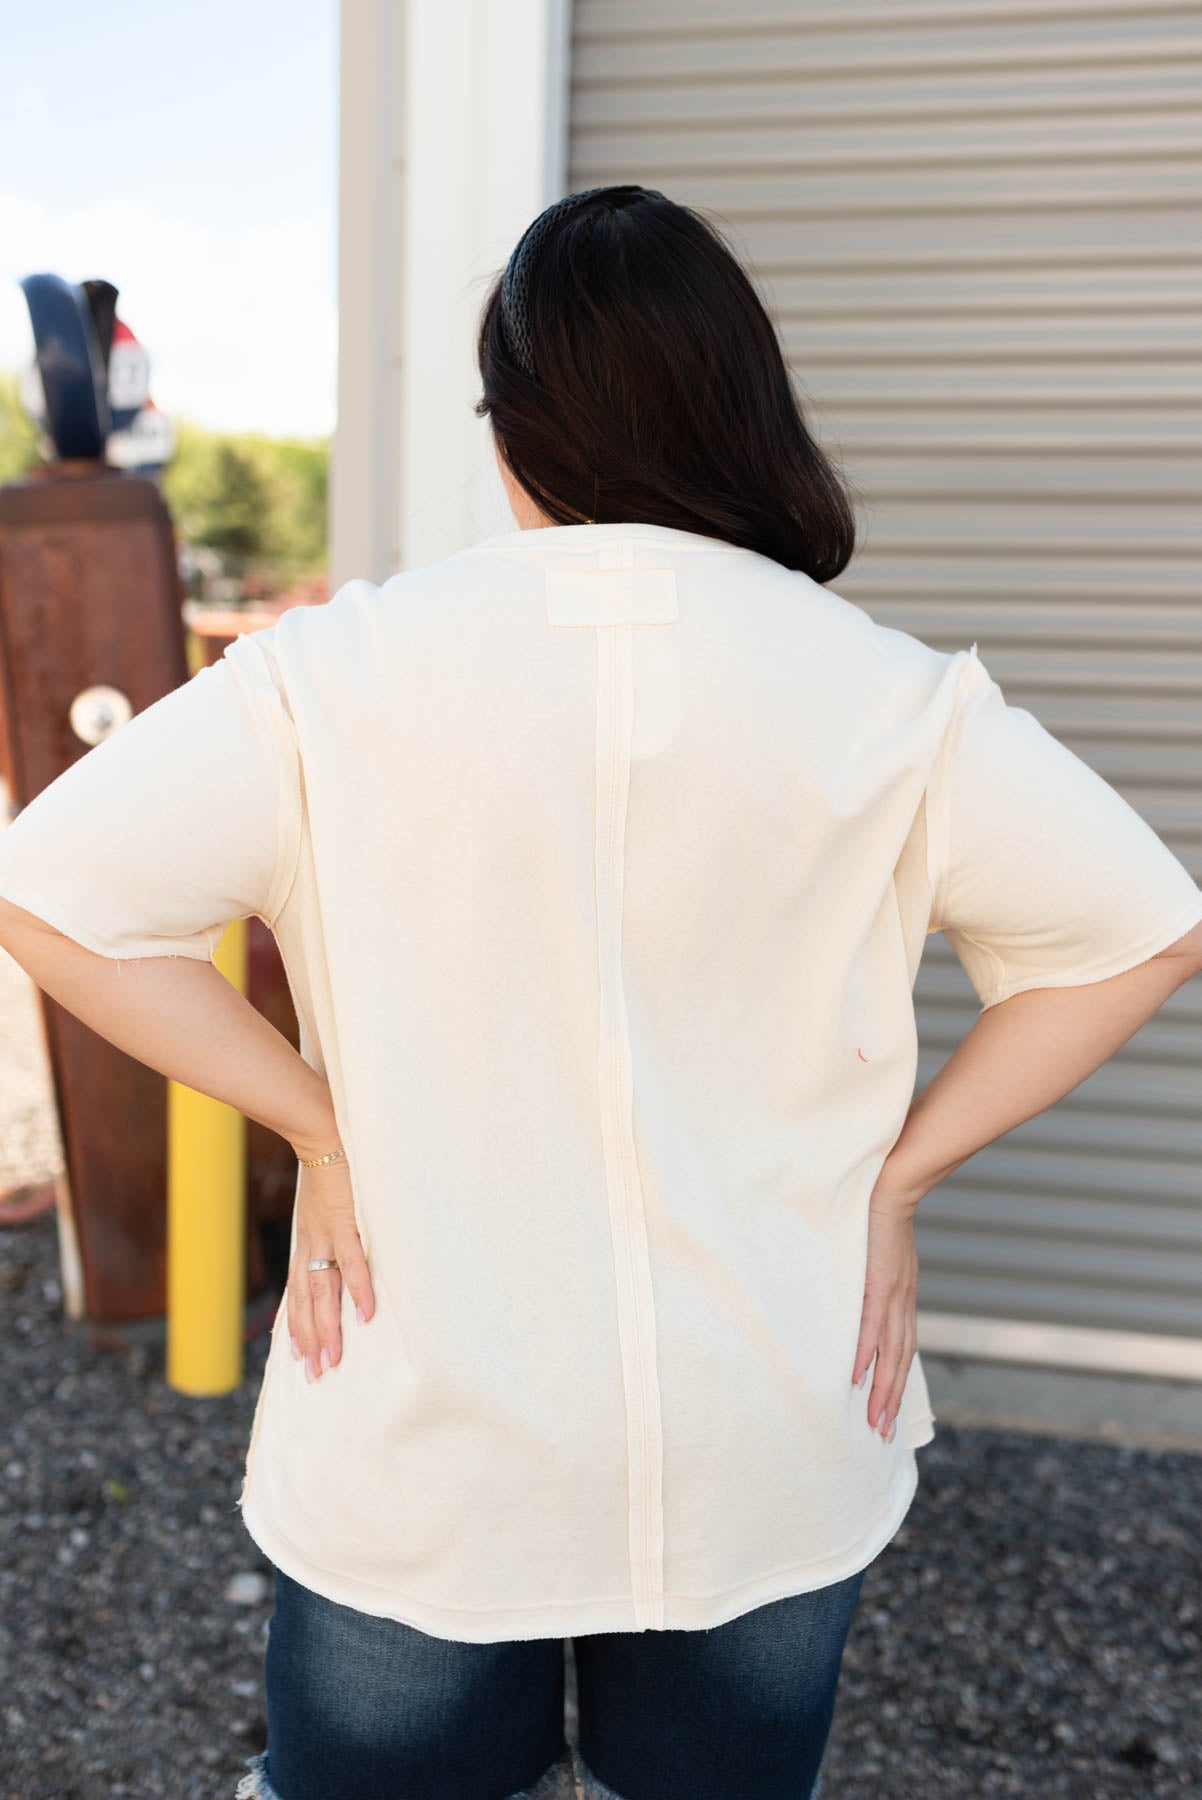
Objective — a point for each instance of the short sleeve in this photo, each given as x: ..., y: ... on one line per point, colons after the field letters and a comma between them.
x: 187, y: 818
x: 1042, y: 874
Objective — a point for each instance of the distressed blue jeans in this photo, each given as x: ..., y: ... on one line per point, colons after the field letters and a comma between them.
x: 364, y: 1708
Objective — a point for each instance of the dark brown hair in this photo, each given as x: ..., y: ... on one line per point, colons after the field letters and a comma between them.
x: 654, y: 388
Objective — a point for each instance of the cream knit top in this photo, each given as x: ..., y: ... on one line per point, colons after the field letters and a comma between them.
x: 601, y: 860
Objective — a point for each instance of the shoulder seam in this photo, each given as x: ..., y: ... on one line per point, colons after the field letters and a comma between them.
x: 936, y: 813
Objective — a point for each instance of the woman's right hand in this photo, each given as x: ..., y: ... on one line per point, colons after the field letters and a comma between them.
x: 889, y: 1318
x: 325, y: 1227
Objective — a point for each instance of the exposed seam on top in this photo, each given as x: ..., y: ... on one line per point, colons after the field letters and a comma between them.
x: 636, y: 1319
x: 937, y: 841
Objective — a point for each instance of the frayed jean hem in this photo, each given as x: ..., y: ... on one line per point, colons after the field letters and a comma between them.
x: 582, y: 1784
x: 255, y: 1785
x: 560, y: 1782
x: 568, y: 1778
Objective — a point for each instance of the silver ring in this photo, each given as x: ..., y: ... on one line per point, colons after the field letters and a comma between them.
x: 323, y: 1262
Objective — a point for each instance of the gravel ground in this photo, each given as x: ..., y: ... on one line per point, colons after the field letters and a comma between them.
x: 1034, y: 1629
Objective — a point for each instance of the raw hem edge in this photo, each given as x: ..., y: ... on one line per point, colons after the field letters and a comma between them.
x: 1086, y: 975
x: 581, y: 1619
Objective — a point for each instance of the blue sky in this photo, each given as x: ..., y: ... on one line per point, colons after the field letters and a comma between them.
x: 187, y: 153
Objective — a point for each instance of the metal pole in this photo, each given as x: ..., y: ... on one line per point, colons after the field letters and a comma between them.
x: 206, y: 1223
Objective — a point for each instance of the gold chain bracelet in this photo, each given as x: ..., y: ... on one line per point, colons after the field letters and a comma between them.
x: 315, y: 1162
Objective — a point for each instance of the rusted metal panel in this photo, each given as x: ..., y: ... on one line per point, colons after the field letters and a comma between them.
x: 90, y: 593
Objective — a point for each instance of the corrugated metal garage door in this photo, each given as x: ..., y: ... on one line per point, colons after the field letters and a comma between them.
x: 978, y: 228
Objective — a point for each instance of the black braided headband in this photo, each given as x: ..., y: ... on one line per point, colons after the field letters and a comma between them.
x: 515, y: 285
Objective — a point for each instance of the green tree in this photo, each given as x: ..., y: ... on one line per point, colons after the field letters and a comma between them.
x: 252, y: 498
x: 18, y: 433
x: 297, y: 476
x: 259, y: 502
x: 229, y: 503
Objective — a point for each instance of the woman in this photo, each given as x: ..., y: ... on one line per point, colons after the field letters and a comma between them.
x: 600, y: 856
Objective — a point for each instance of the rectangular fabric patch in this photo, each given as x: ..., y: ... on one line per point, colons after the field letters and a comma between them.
x: 611, y: 596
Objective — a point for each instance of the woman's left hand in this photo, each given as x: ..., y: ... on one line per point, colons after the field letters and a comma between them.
x: 325, y: 1227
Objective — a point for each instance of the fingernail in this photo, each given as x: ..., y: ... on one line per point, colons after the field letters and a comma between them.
x: 296, y: 1350
x: 893, y: 1429
x: 310, y: 1371
x: 882, y: 1424
x: 361, y: 1315
x: 863, y: 1379
x: 325, y: 1358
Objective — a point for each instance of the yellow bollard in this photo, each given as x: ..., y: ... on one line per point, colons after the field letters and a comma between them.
x: 206, y: 1223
